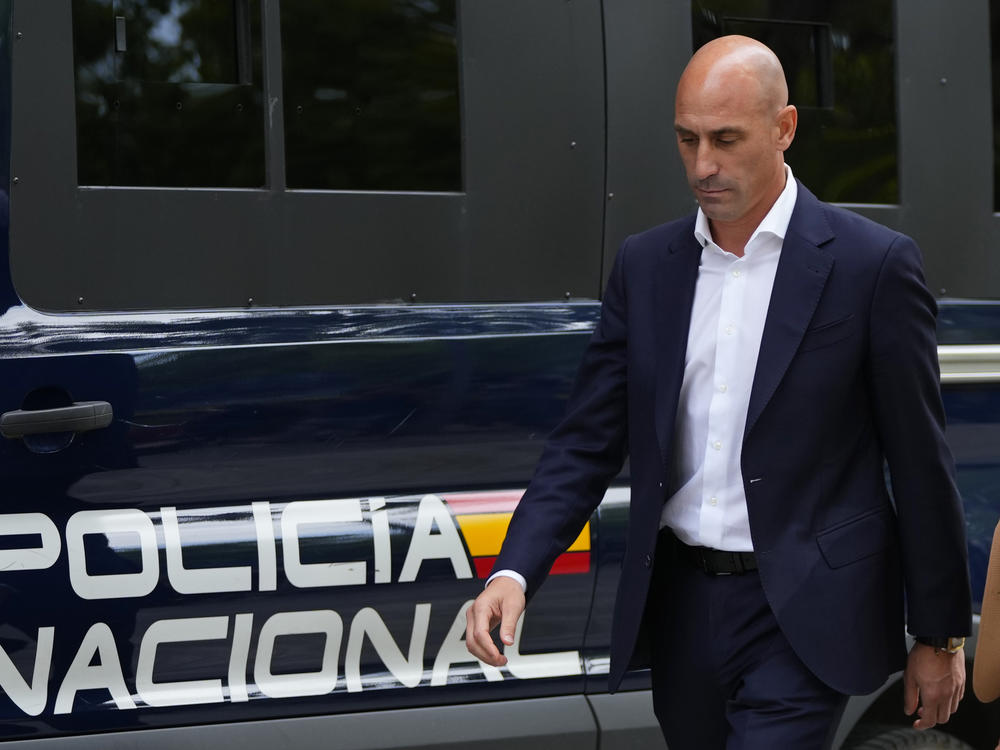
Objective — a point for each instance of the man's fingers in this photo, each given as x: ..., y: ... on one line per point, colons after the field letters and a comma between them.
x: 502, y: 602
x: 934, y: 680
x: 510, y: 613
x: 479, y: 623
x: 910, y: 695
x: 936, y: 708
x: 925, y: 718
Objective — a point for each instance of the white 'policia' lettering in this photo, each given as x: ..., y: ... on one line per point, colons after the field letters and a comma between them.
x: 434, y: 537
x: 334, y: 667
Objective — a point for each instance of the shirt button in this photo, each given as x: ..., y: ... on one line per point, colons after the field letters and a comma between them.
x: 649, y: 561
x: 737, y: 273
x: 717, y: 445
x: 713, y: 501
x: 729, y: 330
x: 723, y: 388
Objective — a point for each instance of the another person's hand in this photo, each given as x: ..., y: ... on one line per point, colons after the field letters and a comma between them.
x: 501, y: 603
x: 934, y: 680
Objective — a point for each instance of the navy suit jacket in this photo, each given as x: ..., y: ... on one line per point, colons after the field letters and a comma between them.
x: 847, y: 380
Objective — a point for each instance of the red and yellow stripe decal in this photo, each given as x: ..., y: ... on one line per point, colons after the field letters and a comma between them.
x: 483, y: 518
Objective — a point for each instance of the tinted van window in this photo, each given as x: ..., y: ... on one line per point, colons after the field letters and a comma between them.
x: 839, y: 59
x: 371, y: 95
x: 169, y: 93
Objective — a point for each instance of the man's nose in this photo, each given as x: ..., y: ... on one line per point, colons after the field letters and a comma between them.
x: 705, y: 164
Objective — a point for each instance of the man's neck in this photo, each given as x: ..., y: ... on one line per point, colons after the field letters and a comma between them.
x: 733, y: 236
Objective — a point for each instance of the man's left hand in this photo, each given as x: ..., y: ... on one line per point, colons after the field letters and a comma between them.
x: 934, y: 680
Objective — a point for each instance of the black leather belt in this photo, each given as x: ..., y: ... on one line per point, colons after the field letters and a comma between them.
x: 719, y: 562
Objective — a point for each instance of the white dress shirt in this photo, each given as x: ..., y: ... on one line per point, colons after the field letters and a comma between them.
x: 707, y: 505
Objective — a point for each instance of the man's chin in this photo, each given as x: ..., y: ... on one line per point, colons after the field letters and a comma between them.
x: 716, y: 210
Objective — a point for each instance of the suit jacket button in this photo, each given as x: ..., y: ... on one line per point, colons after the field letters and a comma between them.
x: 649, y: 561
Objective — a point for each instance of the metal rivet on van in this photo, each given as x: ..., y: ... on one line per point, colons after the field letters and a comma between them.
x: 568, y: 295
x: 610, y: 196
x: 20, y: 35
x: 79, y: 301
x: 16, y: 180
x: 944, y: 81
x: 413, y: 297
x: 572, y: 144
x: 250, y: 302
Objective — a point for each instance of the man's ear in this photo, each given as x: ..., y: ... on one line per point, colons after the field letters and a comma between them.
x: 787, y: 120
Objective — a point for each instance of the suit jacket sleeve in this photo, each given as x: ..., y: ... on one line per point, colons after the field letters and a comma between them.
x: 910, y: 421
x: 584, y: 452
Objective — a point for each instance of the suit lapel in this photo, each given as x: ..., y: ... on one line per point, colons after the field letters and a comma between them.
x: 676, y: 275
x: 802, y: 273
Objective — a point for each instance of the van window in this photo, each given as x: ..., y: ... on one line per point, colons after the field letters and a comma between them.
x: 371, y: 95
x: 839, y: 59
x: 168, y: 93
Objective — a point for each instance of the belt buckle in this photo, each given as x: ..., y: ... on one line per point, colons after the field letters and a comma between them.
x: 737, y: 559
x: 702, y: 559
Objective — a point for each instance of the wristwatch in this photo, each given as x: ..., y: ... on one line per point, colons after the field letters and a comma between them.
x: 948, y: 645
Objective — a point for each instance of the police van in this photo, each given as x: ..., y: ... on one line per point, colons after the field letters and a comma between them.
x: 293, y: 292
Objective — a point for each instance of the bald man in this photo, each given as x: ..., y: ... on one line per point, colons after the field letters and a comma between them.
x: 760, y: 363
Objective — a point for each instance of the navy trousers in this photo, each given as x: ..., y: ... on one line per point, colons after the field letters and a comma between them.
x: 724, y: 676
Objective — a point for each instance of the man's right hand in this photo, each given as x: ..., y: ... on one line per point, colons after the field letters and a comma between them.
x: 501, y: 603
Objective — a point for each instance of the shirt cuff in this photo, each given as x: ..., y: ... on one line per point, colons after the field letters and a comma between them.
x: 510, y: 574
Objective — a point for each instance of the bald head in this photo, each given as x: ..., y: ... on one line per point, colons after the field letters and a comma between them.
x: 736, y: 65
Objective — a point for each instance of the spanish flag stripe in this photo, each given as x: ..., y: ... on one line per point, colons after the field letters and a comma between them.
x: 570, y: 562
x: 566, y: 563
x: 483, y: 566
x: 483, y: 532
x: 484, y: 502
x: 582, y: 542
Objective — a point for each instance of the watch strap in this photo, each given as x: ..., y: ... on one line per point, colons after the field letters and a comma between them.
x: 942, y: 643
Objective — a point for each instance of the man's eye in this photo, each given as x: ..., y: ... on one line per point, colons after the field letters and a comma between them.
x: 726, y: 141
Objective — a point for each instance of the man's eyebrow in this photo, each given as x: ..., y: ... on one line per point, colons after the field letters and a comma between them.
x: 729, y: 130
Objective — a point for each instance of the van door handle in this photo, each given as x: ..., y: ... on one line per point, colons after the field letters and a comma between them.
x: 82, y: 416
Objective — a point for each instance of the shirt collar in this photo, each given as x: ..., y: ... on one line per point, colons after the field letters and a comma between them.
x: 775, y: 223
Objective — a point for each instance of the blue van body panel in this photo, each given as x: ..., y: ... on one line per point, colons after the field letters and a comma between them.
x: 214, y: 413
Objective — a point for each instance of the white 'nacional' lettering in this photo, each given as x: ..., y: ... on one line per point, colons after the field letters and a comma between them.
x: 181, y: 692
x: 106, y: 674
x: 29, y: 698
x: 327, y: 623
x: 408, y: 670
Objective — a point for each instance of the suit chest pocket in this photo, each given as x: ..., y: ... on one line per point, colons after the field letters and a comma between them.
x: 828, y: 333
